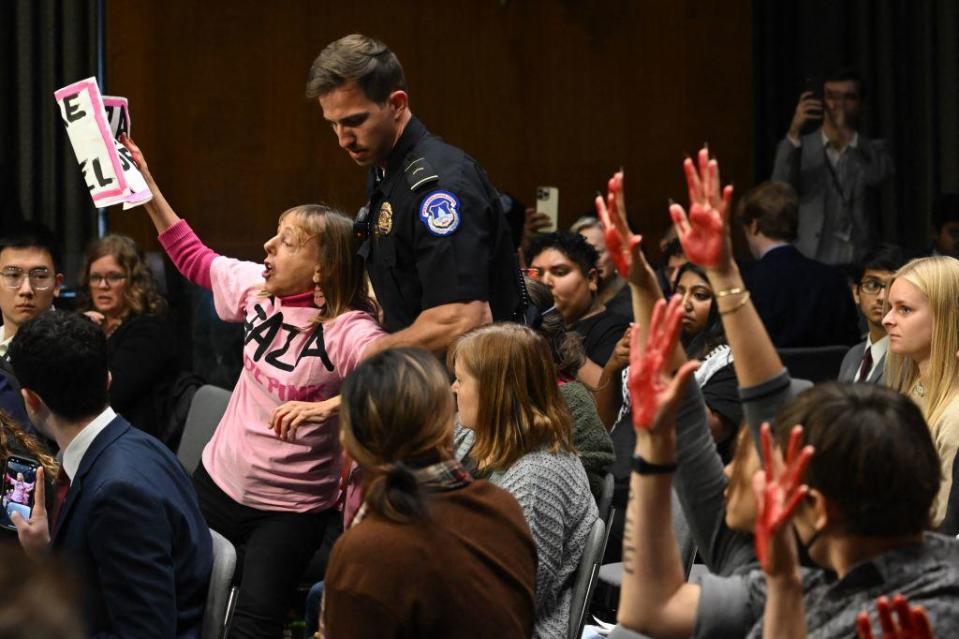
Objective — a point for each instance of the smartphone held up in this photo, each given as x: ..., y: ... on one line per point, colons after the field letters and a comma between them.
x: 19, y: 484
x: 547, y: 202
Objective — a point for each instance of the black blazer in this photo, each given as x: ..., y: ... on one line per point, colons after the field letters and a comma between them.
x: 131, y: 526
x: 802, y: 302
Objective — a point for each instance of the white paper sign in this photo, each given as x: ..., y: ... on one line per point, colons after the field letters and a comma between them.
x: 107, y: 165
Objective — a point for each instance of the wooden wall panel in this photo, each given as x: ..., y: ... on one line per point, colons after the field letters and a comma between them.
x: 540, y: 92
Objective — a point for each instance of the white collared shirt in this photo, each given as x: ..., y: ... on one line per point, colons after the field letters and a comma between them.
x: 76, y: 449
x: 832, y: 152
x: 878, y: 352
x: 4, y: 341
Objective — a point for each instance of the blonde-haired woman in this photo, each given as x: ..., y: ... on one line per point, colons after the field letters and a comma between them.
x: 268, y: 490
x: 117, y: 292
x: 517, y: 430
x: 431, y: 553
x: 923, y: 327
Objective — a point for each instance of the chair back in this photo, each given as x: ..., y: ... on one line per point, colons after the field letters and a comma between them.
x: 206, y: 410
x: 220, y: 595
x: 817, y: 364
x: 586, y: 578
x: 606, y: 498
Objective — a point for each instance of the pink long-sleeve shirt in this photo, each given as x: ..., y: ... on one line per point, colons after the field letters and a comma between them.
x: 286, y: 356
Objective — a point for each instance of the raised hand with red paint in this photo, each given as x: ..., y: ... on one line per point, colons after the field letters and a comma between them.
x: 779, y: 488
x: 621, y: 243
x: 653, y: 394
x: 704, y: 232
x: 912, y: 620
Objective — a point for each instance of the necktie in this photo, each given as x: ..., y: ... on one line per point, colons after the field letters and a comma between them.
x: 61, y: 486
x: 866, y: 366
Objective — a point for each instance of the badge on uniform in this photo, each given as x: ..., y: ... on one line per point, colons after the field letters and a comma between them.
x: 440, y: 212
x: 384, y: 221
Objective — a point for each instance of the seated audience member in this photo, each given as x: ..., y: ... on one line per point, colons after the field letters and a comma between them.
x: 516, y: 431
x: 118, y: 293
x: 865, y: 361
x: 613, y: 293
x: 432, y: 552
x: 271, y: 486
x: 863, y: 519
x: 703, y: 339
x: 37, y: 600
x: 945, y: 226
x: 673, y: 258
x: 129, y: 519
x: 29, y: 280
x: 921, y: 361
x: 590, y: 439
x: 566, y: 264
x: 801, y: 302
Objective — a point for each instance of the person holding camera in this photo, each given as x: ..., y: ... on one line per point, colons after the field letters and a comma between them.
x: 835, y: 171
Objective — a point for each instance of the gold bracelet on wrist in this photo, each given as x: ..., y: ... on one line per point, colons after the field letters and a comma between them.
x: 730, y: 291
x: 738, y: 305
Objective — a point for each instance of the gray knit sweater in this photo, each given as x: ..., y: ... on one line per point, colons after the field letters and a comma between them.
x: 554, y: 494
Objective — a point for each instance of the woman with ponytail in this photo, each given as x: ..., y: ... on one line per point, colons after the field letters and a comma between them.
x: 431, y: 552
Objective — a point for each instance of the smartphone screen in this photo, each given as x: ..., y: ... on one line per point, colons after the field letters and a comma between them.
x: 19, y: 484
x: 547, y: 201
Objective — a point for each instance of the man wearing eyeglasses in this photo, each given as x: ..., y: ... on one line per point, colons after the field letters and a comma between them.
x: 835, y: 171
x: 28, y: 283
x: 865, y: 361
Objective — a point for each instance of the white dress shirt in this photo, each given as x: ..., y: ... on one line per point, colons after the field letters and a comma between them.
x: 76, y: 449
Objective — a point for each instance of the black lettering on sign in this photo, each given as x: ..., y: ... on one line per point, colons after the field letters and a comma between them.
x: 98, y: 173
x: 72, y: 110
x: 126, y: 160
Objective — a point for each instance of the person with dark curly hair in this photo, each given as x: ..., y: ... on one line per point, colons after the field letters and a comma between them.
x: 119, y: 294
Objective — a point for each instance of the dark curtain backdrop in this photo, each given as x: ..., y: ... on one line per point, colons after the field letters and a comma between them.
x: 907, y: 52
x: 45, y: 44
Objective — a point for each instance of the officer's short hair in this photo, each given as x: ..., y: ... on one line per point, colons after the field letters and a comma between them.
x: 357, y: 57
x: 774, y: 206
x: 573, y: 245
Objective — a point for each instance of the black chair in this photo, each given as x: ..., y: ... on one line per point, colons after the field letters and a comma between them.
x: 817, y: 364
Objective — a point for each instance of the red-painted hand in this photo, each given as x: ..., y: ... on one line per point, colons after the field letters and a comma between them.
x: 650, y: 388
x: 622, y: 245
x: 703, y: 233
x: 913, y: 622
x: 779, y: 489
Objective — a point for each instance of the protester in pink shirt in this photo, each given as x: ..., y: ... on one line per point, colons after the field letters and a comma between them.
x: 308, y: 322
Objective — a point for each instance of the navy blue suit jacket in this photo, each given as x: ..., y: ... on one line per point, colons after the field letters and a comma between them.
x: 802, y: 302
x: 132, y: 527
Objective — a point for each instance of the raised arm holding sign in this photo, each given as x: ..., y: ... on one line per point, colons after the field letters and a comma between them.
x: 107, y: 166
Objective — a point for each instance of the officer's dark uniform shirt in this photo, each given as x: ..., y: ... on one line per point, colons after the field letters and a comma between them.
x: 436, y: 233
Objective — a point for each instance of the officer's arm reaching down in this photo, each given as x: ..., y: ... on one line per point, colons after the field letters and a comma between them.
x: 436, y: 328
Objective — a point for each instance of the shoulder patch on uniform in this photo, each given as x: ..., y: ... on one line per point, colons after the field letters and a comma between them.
x: 440, y: 212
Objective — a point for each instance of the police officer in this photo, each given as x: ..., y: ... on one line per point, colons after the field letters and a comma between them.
x: 434, y: 237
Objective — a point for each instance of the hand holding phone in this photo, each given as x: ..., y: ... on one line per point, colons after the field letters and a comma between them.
x: 19, y: 483
x: 547, y: 202
x: 809, y: 109
x: 34, y: 529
